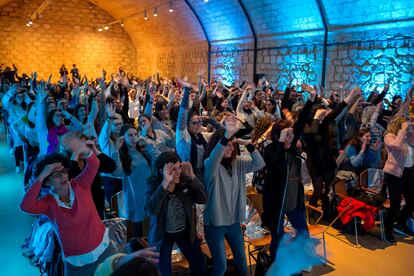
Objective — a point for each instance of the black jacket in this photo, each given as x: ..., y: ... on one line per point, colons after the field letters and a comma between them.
x: 275, y: 184
x: 321, y: 159
x: 156, y: 204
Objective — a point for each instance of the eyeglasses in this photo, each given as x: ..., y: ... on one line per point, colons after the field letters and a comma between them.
x: 196, y: 122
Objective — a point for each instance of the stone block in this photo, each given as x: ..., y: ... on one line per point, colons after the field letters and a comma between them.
x: 402, y: 51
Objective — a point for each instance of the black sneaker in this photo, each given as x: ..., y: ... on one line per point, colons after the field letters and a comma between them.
x: 403, y: 230
x: 389, y: 238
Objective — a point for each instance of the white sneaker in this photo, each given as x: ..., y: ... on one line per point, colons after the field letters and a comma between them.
x: 18, y: 170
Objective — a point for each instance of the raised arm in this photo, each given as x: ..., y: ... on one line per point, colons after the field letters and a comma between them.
x: 89, y: 172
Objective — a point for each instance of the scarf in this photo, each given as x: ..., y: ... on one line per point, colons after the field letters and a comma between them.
x: 53, y: 137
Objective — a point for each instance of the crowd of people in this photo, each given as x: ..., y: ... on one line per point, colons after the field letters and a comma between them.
x: 170, y: 145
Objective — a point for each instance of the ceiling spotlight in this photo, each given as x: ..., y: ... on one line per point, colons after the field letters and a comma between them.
x: 106, y: 27
x: 27, y: 24
x: 205, y: 1
x: 155, y: 11
x: 145, y: 15
x: 171, y: 7
x: 122, y: 23
x: 30, y: 22
x: 99, y: 29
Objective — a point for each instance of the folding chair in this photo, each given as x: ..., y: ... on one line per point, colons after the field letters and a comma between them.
x: 254, y: 246
x: 371, y: 182
x: 315, y: 229
x: 340, y: 191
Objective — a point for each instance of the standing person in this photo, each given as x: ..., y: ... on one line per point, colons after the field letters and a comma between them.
x: 283, y: 192
x: 109, y: 143
x: 172, y: 190
x: 14, y: 103
x: 225, y: 181
x: 106, y: 165
x: 399, y: 175
x: 190, y: 142
x: 84, y: 239
x: 136, y: 155
x: 321, y: 161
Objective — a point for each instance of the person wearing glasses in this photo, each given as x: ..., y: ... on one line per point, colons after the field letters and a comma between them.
x: 84, y: 239
x: 190, y: 142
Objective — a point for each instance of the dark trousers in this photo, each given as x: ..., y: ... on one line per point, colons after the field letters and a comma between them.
x: 111, y: 186
x: 398, y: 186
x: 192, y: 253
x: 31, y: 154
x: 18, y: 155
x: 298, y: 221
x: 322, y: 185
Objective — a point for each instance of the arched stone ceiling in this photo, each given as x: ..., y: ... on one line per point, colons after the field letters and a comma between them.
x: 224, y: 20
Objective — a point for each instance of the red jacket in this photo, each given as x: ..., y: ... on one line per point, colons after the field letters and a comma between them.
x: 357, y: 209
x: 79, y: 229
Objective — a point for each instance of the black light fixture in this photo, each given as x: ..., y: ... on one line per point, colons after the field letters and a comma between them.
x: 171, y: 7
x: 122, y: 23
x: 155, y: 11
x: 145, y: 15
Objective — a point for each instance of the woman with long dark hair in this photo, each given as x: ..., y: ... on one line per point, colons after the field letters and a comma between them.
x: 136, y: 155
x: 172, y: 191
x: 225, y: 181
x: 50, y: 126
x: 283, y: 192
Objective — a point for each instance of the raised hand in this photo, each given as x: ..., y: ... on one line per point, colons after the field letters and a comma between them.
x: 231, y: 125
x: 48, y: 169
x: 40, y: 91
x: 168, y: 174
x: 242, y: 141
x: 187, y: 169
x: 308, y: 88
x: 110, y: 109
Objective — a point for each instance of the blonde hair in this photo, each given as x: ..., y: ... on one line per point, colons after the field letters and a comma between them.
x: 395, y: 125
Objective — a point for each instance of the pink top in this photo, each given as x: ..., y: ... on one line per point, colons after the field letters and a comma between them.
x: 79, y: 228
x: 397, y: 149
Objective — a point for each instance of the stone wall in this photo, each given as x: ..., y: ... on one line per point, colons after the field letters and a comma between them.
x: 364, y: 64
x: 232, y: 62
x: 171, y: 62
x: 65, y: 33
x: 372, y: 64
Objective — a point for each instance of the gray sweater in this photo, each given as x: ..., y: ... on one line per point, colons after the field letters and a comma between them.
x: 226, y: 194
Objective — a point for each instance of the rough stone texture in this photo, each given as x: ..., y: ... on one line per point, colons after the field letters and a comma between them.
x: 171, y: 62
x: 372, y: 64
x: 65, y: 34
x: 303, y: 63
x: 232, y: 62
x: 174, y: 43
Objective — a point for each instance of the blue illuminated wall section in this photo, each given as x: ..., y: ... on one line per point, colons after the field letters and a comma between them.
x: 232, y: 62
x: 372, y: 64
x: 303, y: 63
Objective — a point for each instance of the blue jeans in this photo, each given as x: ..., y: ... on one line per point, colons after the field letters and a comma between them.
x: 215, y: 236
x: 192, y: 253
x: 298, y: 221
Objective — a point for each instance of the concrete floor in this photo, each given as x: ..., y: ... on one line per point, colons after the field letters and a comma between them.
x: 374, y: 257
